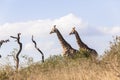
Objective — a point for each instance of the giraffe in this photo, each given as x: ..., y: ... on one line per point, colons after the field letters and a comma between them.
x: 67, y: 49
x: 81, y: 44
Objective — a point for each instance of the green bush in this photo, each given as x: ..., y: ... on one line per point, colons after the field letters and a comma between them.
x: 113, y: 54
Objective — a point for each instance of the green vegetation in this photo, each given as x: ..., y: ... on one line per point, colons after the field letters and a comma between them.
x: 82, y: 67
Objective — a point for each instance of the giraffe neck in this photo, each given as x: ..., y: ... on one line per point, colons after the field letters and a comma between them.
x: 81, y: 44
x: 62, y: 40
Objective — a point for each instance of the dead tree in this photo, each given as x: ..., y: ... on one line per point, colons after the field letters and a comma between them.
x: 20, y: 49
x: 3, y: 41
x: 38, y: 49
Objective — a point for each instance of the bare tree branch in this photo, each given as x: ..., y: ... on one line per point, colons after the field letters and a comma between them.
x: 38, y: 48
x: 13, y: 37
x: 20, y: 49
x: 3, y: 41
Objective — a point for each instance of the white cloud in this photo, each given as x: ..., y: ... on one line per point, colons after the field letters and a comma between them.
x: 69, y: 21
x: 110, y: 30
x: 40, y: 27
x: 37, y: 27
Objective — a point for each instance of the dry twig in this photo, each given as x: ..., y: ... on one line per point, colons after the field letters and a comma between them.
x: 38, y: 49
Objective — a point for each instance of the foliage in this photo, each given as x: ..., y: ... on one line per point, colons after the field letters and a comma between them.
x: 81, y: 67
x: 113, y: 54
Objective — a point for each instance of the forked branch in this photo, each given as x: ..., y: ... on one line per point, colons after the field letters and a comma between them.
x: 38, y: 48
x: 20, y: 49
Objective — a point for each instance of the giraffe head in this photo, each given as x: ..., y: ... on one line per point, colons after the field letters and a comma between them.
x: 73, y: 31
x: 54, y: 29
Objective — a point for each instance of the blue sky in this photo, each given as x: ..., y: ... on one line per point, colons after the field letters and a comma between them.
x: 102, y: 12
x: 96, y: 21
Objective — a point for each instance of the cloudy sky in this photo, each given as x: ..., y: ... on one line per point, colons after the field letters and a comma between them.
x: 96, y: 21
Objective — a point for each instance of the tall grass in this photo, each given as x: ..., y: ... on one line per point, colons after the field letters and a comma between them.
x: 62, y: 68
